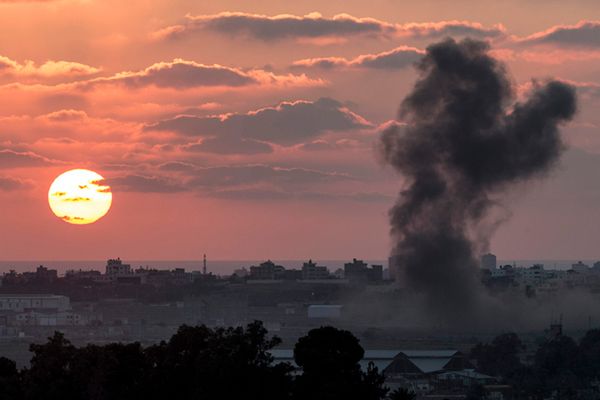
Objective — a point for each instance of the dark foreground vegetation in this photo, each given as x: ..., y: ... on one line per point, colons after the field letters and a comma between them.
x: 235, y: 363
x: 196, y: 363
x: 560, y: 367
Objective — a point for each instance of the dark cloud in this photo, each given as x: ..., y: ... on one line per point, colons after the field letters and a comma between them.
x: 241, y: 175
x: 8, y: 184
x: 315, y: 26
x: 76, y: 199
x: 183, y: 74
x: 288, y: 123
x: 229, y: 145
x: 459, y: 29
x: 265, y: 194
x: 462, y: 147
x: 176, y: 166
x: 15, y: 159
x: 338, y: 145
x: 583, y: 34
x: 588, y: 89
x: 397, y: 58
x: 144, y: 184
x: 68, y: 218
x: 101, y: 186
x: 317, y: 145
x: 282, y: 26
x: 179, y: 74
x: 212, y: 180
x: 52, y: 102
x: 68, y: 115
x: 49, y: 69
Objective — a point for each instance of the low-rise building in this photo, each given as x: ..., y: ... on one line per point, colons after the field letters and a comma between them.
x: 25, y: 302
x: 83, y: 275
x: 61, y: 318
x: 358, y: 271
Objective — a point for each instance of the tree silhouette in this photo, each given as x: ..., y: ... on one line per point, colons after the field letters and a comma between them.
x: 499, y: 358
x: 10, y: 385
x: 235, y: 363
x: 589, y: 350
x: 329, y: 359
x: 50, y: 376
x: 199, y: 362
x: 556, y: 363
x: 402, y: 394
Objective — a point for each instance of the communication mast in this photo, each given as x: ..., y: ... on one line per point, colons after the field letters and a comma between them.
x: 204, y: 266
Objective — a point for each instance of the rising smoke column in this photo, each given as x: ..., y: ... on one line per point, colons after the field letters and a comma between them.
x: 465, y: 143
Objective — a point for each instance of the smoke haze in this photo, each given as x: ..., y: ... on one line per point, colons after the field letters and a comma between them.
x: 462, y: 144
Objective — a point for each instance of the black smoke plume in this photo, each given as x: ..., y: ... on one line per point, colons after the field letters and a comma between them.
x: 466, y: 142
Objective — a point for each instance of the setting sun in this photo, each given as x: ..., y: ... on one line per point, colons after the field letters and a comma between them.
x: 79, y: 197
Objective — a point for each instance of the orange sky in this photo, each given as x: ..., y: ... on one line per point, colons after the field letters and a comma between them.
x: 247, y: 130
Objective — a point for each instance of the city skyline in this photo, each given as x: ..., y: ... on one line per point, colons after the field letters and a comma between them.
x: 279, y: 200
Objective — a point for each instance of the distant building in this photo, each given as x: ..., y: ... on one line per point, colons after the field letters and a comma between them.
x: 359, y: 271
x: 534, y: 275
x: 55, y: 318
x: 436, y: 373
x: 267, y: 270
x: 241, y: 273
x: 430, y: 371
x: 43, y: 274
x: 339, y: 273
x: 25, y: 302
x: 83, y: 275
x: 396, y: 269
x: 291, y: 275
x: 488, y: 261
x: 416, y: 363
x: 116, y: 267
x: 580, y: 267
x: 311, y: 271
x: 155, y: 277
x: 375, y: 273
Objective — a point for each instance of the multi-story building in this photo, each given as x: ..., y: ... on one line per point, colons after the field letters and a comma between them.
x: 395, y: 267
x: 267, y: 270
x: 311, y: 271
x: 580, y: 267
x: 488, y: 261
x: 116, y: 267
x: 532, y: 276
x: 359, y: 271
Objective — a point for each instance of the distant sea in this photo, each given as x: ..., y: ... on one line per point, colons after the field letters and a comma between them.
x: 224, y: 267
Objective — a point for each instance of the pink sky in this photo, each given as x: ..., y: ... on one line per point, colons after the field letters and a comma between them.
x: 248, y: 130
